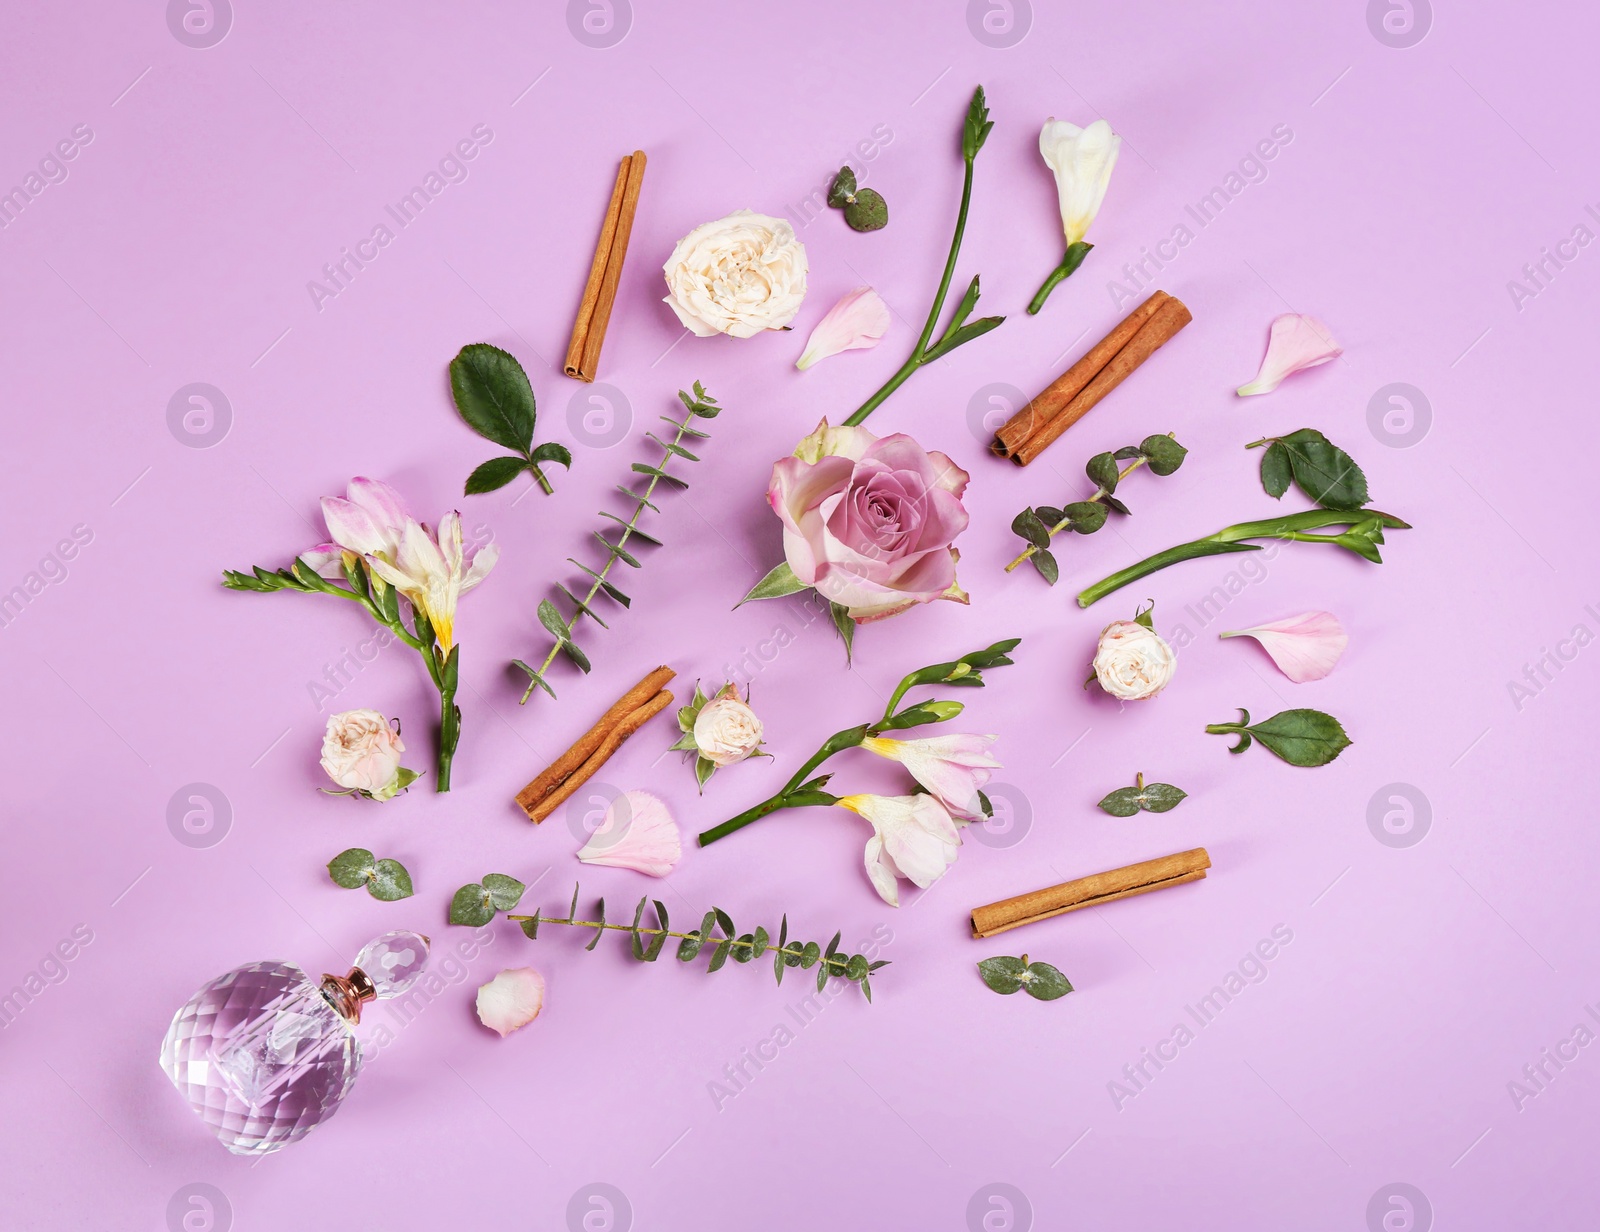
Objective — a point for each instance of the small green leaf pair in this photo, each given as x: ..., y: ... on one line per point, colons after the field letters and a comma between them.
x: 1323, y: 471
x: 386, y: 880
x: 475, y: 903
x: 1142, y: 797
x: 864, y: 208
x: 1006, y: 975
x: 494, y: 396
x: 1299, y: 737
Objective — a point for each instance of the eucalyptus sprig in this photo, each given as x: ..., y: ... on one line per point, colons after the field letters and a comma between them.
x: 864, y: 208
x: 1040, y: 524
x: 701, y: 405
x: 1006, y: 975
x: 386, y: 880
x: 1318, y: 467
x: 1142, y: 797
x: 804, y: 790
x: 475, y: 903
x: 959, y: 331
x: 649, y: 941
x: 1299, y: 737
x: 1363, y: 535
x: 494, y: 396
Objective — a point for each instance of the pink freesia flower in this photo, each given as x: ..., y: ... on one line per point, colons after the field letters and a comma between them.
x: 912, y: 837
x: 954, y: 768
x: 1305, y: 647
x: 1297, y: 341
x: 857, y: 322
x: 869, y: 520
x: 369, y: 523
x: 636, y: 832
x: 511, y: 1000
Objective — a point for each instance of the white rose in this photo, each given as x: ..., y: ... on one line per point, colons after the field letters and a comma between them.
x: 737, y: 276
x: 1133, y: 662
x: 361, y: 752
x: 727, y: 731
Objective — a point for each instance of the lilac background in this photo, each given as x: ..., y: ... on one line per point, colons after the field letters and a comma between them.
x: 1419, y: 980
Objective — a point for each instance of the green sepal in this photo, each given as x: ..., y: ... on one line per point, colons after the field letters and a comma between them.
x: 780, y: 581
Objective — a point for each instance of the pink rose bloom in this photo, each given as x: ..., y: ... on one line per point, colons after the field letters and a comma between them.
x: 869, y: 521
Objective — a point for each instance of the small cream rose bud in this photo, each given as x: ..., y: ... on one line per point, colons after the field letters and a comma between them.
x: 726, y: 730
x: 1133, y: 661
x: 361, y: 753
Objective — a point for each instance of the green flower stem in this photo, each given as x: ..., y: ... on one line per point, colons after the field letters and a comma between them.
x: 1099, y: 495
x: 922, y: 353
x: 622, y: 542
x: 1291, y: 527
x: 1074, y: 258
x: 790, y: 796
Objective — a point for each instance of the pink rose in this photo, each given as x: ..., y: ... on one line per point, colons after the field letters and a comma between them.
x: 869, y: 521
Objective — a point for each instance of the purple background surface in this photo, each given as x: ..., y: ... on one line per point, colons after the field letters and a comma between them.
x: 1421, y: 979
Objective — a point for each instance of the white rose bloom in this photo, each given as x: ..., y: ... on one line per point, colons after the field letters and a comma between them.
x: 737, y: 276
x: 1133, y: 662
x: 726, y: 731
x: 361, y: 752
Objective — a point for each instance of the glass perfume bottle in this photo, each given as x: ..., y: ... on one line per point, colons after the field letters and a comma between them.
x: 264, y: 1054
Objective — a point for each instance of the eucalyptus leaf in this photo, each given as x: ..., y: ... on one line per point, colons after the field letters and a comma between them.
x: 1165, y: 454
x: 1086, y: 517
x: 550, y: 617
x: 1045, y: 562
x: 868, y: 212
x: 390, y: 882
x: 1103, y: 471
x: 1045, y: 983
x: 1028, y: 525
x: 1003, y: 974
x: 504, y: 892
x: 471, y: 906
x: 842, y: 188
x: 1006, y: 975
x: 351, y: 868
x: 1149, y: 797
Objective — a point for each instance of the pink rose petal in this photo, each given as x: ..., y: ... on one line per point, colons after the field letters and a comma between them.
x: 1297, y: 341
x: 637, y: 832
x: 857, y: 322
x: 1305, y: 647
x: 511, y: 1000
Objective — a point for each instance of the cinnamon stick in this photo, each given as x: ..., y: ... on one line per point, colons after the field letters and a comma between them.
x: 1090, y: 891
x: 600, y: 292
x: 629, y: 711
x: 1047, y: 405
x: 1166, y: 321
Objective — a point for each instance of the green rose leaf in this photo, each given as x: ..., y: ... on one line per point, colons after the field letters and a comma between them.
x: 352, y: 868
x: 471, y: 906
x: 1165, y: 454
x: 868, y: 212
x: 390, y: 881
x: 504, y: 892
x: 1324, y: 472
x: 1276, y: 472
x: 494, y: 474
x: 492, y: 393
x: 1299, y: 737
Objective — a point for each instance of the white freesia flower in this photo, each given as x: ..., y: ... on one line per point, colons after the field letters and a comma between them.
x: 1133, y: 661
x: 954, y: 768
x: 433, y: 573
x: 738, y: 276
x: 1082, y: 160
x: 912, y: 837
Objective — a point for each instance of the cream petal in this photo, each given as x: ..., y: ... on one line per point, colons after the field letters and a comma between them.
x: 511, y: 1000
